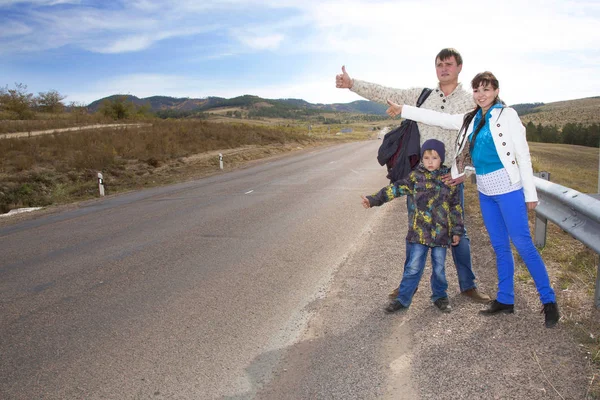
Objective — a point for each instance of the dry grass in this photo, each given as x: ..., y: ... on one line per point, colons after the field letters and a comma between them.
x: 51, y: 121
x: 571, y: 265
x: 62, y: 167
x: 582, y: 111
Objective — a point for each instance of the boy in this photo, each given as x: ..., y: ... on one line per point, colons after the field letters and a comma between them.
x: 436, y: 223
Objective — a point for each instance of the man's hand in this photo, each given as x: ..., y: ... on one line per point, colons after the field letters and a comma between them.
x: 343, y: 80
x: 447, y: 179
x: 531, y: 205
x: 394, y: 109
x: 365, y: 202
x: 455, y: 240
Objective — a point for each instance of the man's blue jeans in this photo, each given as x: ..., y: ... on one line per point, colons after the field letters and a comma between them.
x: 505, y: 218
x: 414, y: 270
x: 461, y: 254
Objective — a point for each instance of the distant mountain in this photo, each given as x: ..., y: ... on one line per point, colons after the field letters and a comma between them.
x: 584, y: 111
x: 162, y: 103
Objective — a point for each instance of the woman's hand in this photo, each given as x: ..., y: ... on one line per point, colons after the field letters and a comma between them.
x: 447, y: 179
x: 455, y: 240
x: 531, y: 205
x: 394, y: 109
x: 365, y: 202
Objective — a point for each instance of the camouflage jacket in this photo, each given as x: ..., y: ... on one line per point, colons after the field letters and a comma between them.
x: 437, y: 215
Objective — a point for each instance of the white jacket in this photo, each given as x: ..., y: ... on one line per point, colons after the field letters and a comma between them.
x: 509, y: 137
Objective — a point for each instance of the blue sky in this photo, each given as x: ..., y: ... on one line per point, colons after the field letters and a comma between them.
x: 540, y: 50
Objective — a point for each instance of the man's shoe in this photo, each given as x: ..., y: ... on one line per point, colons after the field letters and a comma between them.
x: 443, y: 304
x: 394, y: 293
x: 497, y: 307
x: 552, y: 316
x: 394, y: 306
x: 477, y: 296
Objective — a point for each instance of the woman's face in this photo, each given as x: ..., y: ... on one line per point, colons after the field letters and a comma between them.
x: 485, y: 96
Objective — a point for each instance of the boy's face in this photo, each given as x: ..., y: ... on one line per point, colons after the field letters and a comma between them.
x: 431, y: 160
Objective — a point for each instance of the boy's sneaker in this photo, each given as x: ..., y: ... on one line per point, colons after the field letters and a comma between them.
x: 552, y: 316
x: 394, y: 306
x: 443, y: 304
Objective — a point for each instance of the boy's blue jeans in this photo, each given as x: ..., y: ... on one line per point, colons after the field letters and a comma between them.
x: 461, y: 254
x: 414, y: 270
x: 505, y: 218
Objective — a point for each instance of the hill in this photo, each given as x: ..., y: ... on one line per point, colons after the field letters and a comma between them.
x: 581, y: 111
x: 259, y: 107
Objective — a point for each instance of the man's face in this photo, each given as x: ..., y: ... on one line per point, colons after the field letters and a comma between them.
x: 447, y: 70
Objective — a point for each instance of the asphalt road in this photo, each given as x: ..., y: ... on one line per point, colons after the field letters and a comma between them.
x: 199, y: 290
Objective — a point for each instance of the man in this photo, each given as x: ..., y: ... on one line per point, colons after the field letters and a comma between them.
x: 448, y: 97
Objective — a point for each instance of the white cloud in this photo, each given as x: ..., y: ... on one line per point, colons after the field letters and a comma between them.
x: 14, y: 28
x: 38, y: 2
x: 547, y: 47
x: 269, y: 42
x: 132, y: 43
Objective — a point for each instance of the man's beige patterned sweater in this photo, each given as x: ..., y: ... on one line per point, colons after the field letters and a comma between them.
x: 458, y: 102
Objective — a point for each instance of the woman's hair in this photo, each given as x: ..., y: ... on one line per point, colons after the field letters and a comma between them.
x: 481, y: 79
x: 485, y: 78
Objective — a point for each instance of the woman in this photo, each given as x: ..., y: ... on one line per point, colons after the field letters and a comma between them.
x: 492, y: 139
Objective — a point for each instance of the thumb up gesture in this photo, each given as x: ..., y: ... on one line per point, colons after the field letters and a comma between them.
x: 343, y: 80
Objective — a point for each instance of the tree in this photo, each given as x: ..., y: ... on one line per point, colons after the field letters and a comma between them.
x: 593, y: 136
x: 549, y: 134
x: 17, y: 101
x: 570, y: 132
x: 532, y: 132
x: 117, y: 108
x: 51, y: 101
x: 78, y: 109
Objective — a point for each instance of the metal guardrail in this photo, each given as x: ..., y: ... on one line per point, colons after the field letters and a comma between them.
x: 576, y: 213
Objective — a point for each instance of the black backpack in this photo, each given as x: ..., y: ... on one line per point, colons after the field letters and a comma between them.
x: 400, y: 150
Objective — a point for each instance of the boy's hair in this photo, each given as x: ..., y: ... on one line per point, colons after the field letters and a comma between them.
x: 447, y: 53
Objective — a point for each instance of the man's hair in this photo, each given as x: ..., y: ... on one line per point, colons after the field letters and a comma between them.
x: 447, y: 53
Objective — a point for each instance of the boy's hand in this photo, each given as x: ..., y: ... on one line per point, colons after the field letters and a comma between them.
x: 455, y: 240
x: 365, y: 202
x: 394, y: 109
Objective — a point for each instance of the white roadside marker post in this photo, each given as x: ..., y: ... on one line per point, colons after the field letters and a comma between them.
x: 221, y: 160
x: 100, y: 184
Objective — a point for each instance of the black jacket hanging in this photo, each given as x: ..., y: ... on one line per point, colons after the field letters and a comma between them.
x: 401, y: 147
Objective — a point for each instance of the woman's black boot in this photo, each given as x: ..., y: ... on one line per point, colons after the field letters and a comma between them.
x: 496, y: 307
